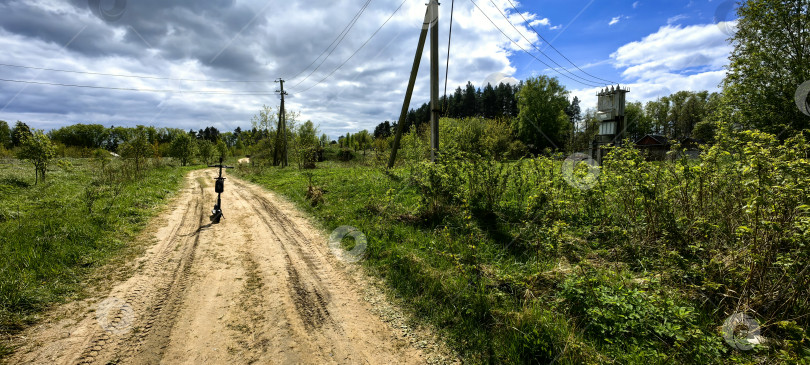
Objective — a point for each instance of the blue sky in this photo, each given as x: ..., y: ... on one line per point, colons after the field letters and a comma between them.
x: 597, y: 28
x: 185, y: 48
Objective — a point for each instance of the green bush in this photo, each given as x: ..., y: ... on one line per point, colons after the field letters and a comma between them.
x: 634, y: 323
x: 518, y: 265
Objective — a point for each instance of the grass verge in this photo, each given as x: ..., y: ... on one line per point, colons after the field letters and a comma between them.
x: 513, y: 265
x: 55, y: 234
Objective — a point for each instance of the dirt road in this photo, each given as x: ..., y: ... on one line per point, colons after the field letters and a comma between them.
x: 260, y: 287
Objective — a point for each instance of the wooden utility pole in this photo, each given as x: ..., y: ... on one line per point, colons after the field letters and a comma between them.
x: 280, y: 152
x: 431, y: 22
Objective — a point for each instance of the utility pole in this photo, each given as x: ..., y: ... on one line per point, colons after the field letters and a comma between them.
x: 280, y: 152
x: 431, y: 22
x: 435, y: 108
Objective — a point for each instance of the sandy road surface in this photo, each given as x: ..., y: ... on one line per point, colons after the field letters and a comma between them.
x: 260, y: 287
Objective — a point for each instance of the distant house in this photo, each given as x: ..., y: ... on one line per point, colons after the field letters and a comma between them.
x: 691, y: 147
x: 655, y: 147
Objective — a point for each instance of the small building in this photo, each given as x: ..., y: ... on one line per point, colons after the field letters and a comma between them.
x: 654, y: 147
x: 691, y: 147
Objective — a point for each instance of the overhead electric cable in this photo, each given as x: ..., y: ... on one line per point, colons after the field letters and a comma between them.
x: 525, y: 51
x: 341, y: 37
x: 345, y: 29
x: 358, y: 50
x: 130, y: 76
x: 552, y: 46
x: 213, y: 92
x: 536, y: 48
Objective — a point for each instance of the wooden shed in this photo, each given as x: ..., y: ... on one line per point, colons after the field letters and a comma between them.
x: 654, y: 147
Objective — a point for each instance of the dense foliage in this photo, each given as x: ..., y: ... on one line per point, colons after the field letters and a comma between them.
x: 518, y: 264
x: 772, y: 42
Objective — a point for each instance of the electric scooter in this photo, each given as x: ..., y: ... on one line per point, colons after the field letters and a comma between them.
x: 219, y: 187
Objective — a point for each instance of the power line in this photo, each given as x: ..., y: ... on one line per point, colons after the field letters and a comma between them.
x: 535, y: 47
x: 129, y: 76
x: 527, y: 52
x: 345, y: 29
x: 358, y: 50
x: 340, y: 36
x: 552, y: 46
x: 143, y: 90
x: 586, y: 81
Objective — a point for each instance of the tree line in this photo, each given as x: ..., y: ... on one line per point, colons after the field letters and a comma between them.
x: 542, y: 115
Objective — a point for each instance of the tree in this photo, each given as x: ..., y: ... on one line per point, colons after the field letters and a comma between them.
x: 81, y: 135
x: 586, y: 134
x: 637, y: 124
x: 19, y: 132
x: 574, y: 113
x: 541, y: 120
x: 206, y: 150
x: 116, y: 136
x: 209, y: 133
x: 383, y: 130
x: 5, y: 135
x: 183, y: 148
x: 658, y: 112
x: 469, y: 103
x: 705, y: 131
x: 222, y: 149
x: 363, y: 140
x: 768, y: 63
x: 137, y: 148
x: 37, y: 148
x: 306, y: 145
x: 489, y: 102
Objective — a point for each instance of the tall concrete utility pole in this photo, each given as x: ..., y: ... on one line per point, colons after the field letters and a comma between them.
x: 280, y: 152
x: 435, y: 108
x: 431, y: 22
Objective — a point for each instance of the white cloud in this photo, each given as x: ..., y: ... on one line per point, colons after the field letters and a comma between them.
x: 676, y: 18
x: 536, y: 22
x: 615, y: 20
x: 154, y: 38
x: 673, y: 58
x: 697, y: 47
x: 635, y: 4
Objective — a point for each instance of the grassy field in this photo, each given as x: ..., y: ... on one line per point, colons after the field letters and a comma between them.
x: 514, y: 264
x: 54, y: 234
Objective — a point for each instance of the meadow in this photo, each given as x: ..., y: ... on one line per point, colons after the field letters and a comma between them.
x: 518, y: 262
x: 57, y: 233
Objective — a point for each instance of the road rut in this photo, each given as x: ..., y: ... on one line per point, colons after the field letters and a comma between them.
x: 260, y: 287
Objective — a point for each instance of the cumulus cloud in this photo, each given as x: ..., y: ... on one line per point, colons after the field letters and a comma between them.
x: 702, y: 47
x: 252, y: 40
x: 671, y: 59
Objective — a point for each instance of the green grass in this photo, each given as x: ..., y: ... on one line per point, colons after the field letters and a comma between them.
x: 446, y: 278
x: 521, y: 267
x: 55, y: 234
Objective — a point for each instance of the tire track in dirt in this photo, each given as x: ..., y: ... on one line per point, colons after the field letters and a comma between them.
x: 156, y: 299
x: 260, y: 287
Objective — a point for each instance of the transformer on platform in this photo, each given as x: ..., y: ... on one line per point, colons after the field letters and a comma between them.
x: 610, y: 111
